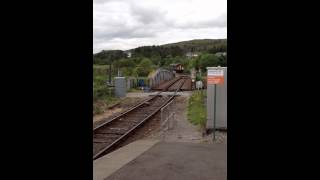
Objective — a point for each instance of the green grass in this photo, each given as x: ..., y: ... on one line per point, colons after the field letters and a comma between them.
x: 102, y: 96
x: 96, y: 66
x: 101, y: 105
x: 134, y: 90
x: 197, y: 113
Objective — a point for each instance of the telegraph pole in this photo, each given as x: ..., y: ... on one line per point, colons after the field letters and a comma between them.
x: 214, y: 111
x: 110, y: 73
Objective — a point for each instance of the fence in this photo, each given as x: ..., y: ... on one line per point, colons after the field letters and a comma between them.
x: 167, y: 121
x: 133, y: 82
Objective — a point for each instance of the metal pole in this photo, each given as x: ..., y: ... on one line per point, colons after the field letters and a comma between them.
x: 110, y: 73
x: 214, y: 111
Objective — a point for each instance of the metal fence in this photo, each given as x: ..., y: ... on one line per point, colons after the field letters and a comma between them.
x: 167, y: 121
x: 159, y: 76
x: 133, y: 82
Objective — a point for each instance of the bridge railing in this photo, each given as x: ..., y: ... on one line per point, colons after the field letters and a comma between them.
x: 159, y: 77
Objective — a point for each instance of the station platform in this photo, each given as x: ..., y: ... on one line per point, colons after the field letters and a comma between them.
x: 151, y: 159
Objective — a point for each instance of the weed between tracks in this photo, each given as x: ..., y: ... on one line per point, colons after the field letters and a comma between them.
x: 197, y: 113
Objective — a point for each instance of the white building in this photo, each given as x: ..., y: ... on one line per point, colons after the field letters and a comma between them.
x: 191, y: 54
x: 221, y: 53
x: 129, y: 54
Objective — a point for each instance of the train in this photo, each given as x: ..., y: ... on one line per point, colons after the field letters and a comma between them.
x: 178, y: 68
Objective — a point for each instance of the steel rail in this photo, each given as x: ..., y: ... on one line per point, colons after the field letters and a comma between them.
x: 97, y: 155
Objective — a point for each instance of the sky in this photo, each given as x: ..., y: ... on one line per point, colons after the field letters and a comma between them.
x: 127, y: 24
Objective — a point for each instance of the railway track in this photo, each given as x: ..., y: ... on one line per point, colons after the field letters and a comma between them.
x: 165, y: 85
x: 172, y: 84
x: 183, y: 80
x: 109, y: 134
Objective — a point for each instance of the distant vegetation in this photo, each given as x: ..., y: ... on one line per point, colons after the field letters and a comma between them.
x: 147, y: 58
x: 102, y: 95
x: 107, y: 57
x: 197, y: 54
x: 202, y: 45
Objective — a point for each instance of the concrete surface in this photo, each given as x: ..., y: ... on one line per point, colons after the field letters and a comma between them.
x: 106, y: 165
x: 183, y: 130
x: 177, y: 161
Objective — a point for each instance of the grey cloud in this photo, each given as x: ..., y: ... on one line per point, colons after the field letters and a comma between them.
x: 146, y: 23
x: 117, y: 22
x: 219, y: 22
x: 122, y: 33
x: 104, y: 1
x: 147, y: 15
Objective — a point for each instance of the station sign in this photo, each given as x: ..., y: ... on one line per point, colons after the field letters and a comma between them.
x: 215, y: 76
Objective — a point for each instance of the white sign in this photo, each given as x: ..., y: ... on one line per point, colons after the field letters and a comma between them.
x: 215, y: 76
x: 215, y: 72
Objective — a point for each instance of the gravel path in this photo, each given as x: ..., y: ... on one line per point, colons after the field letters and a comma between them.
x: 183, y: 130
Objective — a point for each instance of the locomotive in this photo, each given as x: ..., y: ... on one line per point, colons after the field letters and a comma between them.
x: 178, y: 68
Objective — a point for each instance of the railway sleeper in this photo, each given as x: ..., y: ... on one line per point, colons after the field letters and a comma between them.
x: 103, y: 140
x: 106, y: 136
x: 113, y: 132
x: 135, y: 118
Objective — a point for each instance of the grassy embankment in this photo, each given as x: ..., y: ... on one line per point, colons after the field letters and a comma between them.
x: 197, y: 111
x: 102, y: 95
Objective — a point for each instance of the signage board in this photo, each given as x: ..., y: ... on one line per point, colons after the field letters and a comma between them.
x: 215, y: 76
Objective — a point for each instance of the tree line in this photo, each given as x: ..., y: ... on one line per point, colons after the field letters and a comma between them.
x: 145, y: 59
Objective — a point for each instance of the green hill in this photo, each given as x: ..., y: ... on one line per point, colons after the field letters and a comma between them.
x: 178, y: 49
x: 200, y: 45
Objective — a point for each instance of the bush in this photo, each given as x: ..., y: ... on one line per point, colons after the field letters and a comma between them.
x: 144, y: 67
x: 198, y: 78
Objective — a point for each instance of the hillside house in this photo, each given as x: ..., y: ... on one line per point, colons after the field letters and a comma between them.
x: 128, y: 54
x: 221, y: 53
x: 191, y: 54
